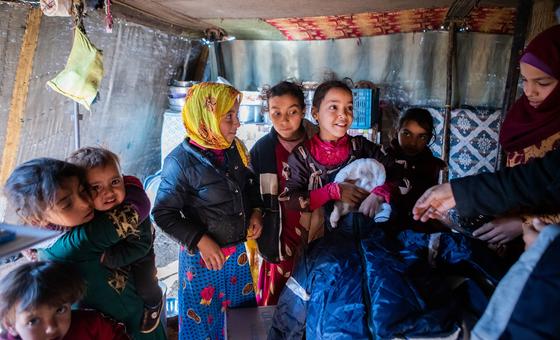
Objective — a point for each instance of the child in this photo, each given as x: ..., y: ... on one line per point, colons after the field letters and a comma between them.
x: 35, y: 301
x: 108, y: 189
x: 530, y: 130
x: 51, y: 193
x: 209, y: 203
x: 414, y: 132
x: 313, y: 165
x: 325, y: 294
x: 282, y: 234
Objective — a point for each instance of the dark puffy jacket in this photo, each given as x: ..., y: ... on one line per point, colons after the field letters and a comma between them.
x: 422, y: 171
x: 196, y: 197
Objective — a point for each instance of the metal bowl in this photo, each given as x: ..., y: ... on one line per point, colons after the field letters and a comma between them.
x: 178, y: 90
x: 176, y: 102
x: 184, y: 83
x: 249, y: 114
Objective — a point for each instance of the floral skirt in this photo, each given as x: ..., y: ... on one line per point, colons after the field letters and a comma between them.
x: 205, y: 295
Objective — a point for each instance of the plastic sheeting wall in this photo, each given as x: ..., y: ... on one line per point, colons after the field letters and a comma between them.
x: 12, y: 27
x: 411, y: 67
x: 138, y: 62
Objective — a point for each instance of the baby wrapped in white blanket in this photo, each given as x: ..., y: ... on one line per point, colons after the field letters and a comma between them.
x: 367, y: 174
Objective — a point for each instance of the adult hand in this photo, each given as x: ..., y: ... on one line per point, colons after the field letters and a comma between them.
x: 500, y: 231
x: 531, y: 232
x: 211, y: 253
x: 434, y: 203
x: 352, y: 194
x: 255, y: 225
x: 370, y: 204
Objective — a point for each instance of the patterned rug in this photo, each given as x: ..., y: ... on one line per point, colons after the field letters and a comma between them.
x: 473, y: 140
x: 482, y: 19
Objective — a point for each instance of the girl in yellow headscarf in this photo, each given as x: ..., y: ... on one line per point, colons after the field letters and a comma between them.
x: 209, y: 203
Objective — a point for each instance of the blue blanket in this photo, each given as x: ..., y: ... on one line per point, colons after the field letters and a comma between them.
x: 361, y: 283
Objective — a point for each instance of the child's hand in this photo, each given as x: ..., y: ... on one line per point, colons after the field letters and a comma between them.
x: 30, y: 254
x: 352, y: 194
x: 370, y: 204
x: 531, y: 232
x: 501, y: 230
x: 255, y: 225
x: 211, y: 253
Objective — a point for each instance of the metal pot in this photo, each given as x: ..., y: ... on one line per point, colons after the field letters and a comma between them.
x: 249, y: 114
x: 245, y: 114
x: 184, y: 83
x: 178, y: 91
x: 266, y: 118
x: 176, y: 103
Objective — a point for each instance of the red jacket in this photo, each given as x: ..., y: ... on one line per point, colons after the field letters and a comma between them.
x: 91, y: 325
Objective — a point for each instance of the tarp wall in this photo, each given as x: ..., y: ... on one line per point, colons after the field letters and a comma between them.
x: 12, y: 27
x: 410, y: 67
x: 139, y: 62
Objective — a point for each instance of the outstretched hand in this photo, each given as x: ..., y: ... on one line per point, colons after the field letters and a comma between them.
x: 434, y: 203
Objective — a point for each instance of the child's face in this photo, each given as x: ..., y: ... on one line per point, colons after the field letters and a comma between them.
x: 43, y: 322
x: 286, y: 115
x: 72, y: 207
x: 107, y: 186
x: 537, y: 85
x: 334, y: 114
x: 413, y: 138
x: 230, y: 123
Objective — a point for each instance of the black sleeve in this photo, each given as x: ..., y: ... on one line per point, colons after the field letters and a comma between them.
x: 296, y: 193
x: 254, y: 165
x: 254, y: 158
x: 533, y: 188
x: 253, y: 189
x: 169, y: 203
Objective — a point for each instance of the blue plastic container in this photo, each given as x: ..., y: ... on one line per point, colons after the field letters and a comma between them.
x: 362, y: 99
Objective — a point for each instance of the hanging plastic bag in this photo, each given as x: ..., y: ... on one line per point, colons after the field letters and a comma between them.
x: 82, y: 75
x: 56, y: 8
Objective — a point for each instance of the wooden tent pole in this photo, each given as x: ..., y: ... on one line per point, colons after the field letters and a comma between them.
x: 517, y: 45
x: 201, y: 63
x: 19, y: 93
x: 451, y: 50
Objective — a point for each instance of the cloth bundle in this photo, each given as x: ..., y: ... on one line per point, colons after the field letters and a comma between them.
x: 82, y: 75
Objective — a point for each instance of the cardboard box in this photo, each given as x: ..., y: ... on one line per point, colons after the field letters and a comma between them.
x: 248, y: 323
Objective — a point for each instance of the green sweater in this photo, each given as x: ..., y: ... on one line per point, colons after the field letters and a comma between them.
x: 110, y: 291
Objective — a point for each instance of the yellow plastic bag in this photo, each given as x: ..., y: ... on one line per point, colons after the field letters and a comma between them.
x: 82, y: 75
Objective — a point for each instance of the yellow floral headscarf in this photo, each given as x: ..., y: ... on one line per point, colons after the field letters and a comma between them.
x: 206, y: 104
